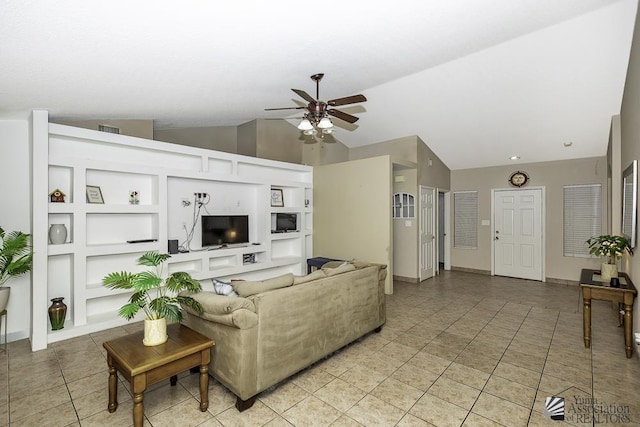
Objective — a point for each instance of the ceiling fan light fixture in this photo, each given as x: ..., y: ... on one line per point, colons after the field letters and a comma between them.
x: 328, y: 131
x: 311, y: 131
x: 325, y: 123
x: 305, y: 125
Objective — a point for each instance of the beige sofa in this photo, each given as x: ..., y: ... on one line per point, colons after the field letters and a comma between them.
x: 280, y: 326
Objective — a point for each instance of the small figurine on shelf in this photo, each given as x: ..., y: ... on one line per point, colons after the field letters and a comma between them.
x: 133, y: 197
x: 56, y: 196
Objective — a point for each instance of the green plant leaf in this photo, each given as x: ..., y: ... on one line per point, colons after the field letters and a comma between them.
x: 181, y: 281
x: 191, y: 303
x: 129, y: 310
x: 146, y: 280
x: 119, y: 280
x: 153, y: 259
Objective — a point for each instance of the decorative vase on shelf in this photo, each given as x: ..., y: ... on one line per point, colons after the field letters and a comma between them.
x: 155, y: 332
x: 57, y: 313
x: 57, y: 234
x: 607, y: 271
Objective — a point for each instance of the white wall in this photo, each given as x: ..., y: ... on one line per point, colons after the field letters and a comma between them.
x: 15, y: 214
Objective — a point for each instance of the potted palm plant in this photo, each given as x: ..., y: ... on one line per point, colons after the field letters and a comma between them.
x: 159, y: 298
x: 15, y: 260
x: 611, y: 247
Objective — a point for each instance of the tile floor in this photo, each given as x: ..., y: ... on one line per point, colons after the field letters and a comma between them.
x: 460, y: 349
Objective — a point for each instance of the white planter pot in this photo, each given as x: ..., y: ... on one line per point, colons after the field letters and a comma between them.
x: 4, y: 297
x: 155, y: 332
x: 607, y: 271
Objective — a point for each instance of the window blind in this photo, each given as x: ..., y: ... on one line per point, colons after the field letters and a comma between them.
x: 582, y: 218
x: 465, y: 218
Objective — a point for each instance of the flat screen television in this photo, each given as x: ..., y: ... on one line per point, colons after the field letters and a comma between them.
x: 224, y: 229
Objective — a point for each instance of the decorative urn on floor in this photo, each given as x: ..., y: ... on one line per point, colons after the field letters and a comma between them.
x: 158, y: 297
x: 611, y: 247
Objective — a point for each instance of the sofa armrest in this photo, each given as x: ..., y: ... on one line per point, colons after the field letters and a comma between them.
x: 241, y: 318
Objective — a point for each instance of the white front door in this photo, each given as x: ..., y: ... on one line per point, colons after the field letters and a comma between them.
x: 427, y: 233
x: 518, y: 233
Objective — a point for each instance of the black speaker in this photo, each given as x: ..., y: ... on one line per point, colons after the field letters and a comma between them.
x: 173, y: 246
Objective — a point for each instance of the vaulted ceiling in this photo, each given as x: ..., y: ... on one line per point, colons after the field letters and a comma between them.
x: 477, y: 80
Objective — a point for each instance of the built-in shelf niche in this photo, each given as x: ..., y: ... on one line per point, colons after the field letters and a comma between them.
x: 61, y: 178
x: 105, y: 228
x: 116, y: 186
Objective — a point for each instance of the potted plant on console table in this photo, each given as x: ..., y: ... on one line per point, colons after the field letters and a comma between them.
x: 611, y: 247
x: 15, y: 260
x: 156, y: 296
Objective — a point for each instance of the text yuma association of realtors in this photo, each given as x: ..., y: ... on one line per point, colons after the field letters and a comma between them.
x: 587, y: 409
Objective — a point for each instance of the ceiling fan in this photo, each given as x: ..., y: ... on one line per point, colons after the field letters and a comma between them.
x: 318, y: 112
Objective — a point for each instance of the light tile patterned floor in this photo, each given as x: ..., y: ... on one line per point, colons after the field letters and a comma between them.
x: 460, y: 349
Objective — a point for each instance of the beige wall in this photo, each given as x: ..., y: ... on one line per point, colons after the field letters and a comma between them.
x: 220, y: 138
x: 324, y: 152
x: 432, y: 171
x: 247, y: 138
x: 428, y: 170
x: 405, y: 231
x: 630, y: 146
x: 550, y: 175
x: 137, y: 128
x: 401, y: 149
x: 351, y: 215
x: 278, y: 140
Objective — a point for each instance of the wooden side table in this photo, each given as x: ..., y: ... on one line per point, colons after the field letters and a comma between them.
x: 592, y: 288
x: 318, y: 262
x: 143, y: 366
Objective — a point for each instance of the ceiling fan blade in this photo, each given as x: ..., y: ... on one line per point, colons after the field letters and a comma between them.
x: 347, y: 100
x: 285, y: 108
x: 304, y: 95
x: 343, y: 116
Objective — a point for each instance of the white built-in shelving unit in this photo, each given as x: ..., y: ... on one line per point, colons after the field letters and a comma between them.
x: 165, y: 176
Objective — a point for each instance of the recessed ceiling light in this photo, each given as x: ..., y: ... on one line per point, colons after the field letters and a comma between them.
x: 514, y: 158
x: 568, y: 144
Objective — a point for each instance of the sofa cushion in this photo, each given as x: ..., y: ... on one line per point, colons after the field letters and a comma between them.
x: 219, y: 304
x: 318, y: 274
x: 247, y: 288
x: 343, y: 268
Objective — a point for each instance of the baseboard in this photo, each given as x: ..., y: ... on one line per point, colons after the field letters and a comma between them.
x: 406, y: 279
x: 567, y: 282
x: 471, y: 270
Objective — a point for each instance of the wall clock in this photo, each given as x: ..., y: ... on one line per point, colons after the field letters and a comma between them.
x: 518, y: 179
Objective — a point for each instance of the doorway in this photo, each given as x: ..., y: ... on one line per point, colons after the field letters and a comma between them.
x: 443, y: 262
x: 518, y: 233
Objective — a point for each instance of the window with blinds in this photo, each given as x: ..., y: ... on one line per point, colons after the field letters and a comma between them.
x: 465, y: 219
x: 582, y: 217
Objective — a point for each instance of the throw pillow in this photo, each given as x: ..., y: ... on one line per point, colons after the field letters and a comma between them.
x: 247, y: 288
x: 338, y: 270
x: 223, y: 288
x: 318, y: 274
